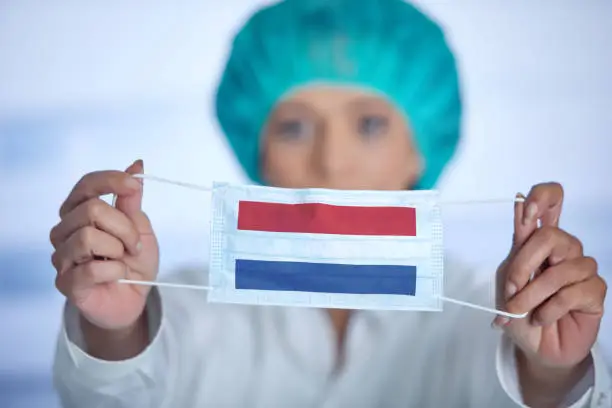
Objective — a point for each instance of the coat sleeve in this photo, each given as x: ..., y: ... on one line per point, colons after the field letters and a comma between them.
x: 82, y: 380
x: 185, y: 331
x: 593, y: 391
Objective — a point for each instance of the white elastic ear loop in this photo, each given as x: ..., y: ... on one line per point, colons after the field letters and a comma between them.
x: 443, y: 298
x: 205, y: 188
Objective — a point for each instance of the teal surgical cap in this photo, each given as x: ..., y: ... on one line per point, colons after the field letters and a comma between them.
x: 387, y: 46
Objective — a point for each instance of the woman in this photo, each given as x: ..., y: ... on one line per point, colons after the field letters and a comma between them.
x: 344, y: 96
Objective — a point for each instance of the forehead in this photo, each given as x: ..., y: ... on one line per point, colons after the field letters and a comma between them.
x: 330, y: 98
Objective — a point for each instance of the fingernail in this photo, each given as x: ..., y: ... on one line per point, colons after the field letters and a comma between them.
x: 510, y: 290
x: 530, y: 213
x: 138, y: 246
x: 519, y: 197
x: 132, y: 183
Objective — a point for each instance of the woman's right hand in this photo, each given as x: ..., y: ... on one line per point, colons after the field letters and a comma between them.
x: 96, y: 244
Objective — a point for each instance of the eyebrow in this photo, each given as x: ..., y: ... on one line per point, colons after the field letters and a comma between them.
x: 293, y: 107
x: 370, y: 101
x: 289, y: 107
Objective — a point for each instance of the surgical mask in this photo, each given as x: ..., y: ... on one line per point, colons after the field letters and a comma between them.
x: 376, y: 250
x: 326, y: 248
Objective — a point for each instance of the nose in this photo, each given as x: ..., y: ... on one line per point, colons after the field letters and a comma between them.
x: 334, y: 158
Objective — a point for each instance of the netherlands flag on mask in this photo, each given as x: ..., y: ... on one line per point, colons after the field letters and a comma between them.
x: 314, y: 247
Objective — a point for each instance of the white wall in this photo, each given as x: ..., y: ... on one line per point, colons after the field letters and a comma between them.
x: 91, y: 85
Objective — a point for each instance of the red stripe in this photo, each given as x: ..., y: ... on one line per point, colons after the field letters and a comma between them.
x: 318, y: 218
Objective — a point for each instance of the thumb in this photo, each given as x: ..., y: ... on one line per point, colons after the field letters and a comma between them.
x: 522, y: 232
x: 131, y: 204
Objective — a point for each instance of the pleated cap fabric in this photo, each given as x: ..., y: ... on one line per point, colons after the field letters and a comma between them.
x: 387, y: 46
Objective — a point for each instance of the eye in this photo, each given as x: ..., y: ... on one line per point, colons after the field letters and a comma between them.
x: 372, y: 126
x: 294, y: 129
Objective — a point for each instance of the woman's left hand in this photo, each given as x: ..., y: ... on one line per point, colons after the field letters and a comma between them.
x: 565, y: 298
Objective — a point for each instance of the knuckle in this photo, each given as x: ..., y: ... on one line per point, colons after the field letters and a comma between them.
x: 508, y: 269
x: 514, y: 272
x: 546, y: 191
x: 604, y: 286
x: 549, y: 233
x: 563, y: 299
x: 89, y: 181
x: 515, y: 306
x: 90, y: 177
x: 538, y: 189
x: 558, y: 187
x: 87, y: 177
x: 87, y: 235
x: 134, y: 235
x: 62, y: 284
x: 573, y: 241
x: 551, y: 187
x: 546, y: 314
x: 590, y: 264
x: 83, y: 180
x: 577, y: 244
x: 82, y: 184
x: 59, y: 284
x: 93, y: 209
x: 55, y: 261
x: 83, y: 243
x: 145, y: 217
x: 134, y: 240
x: 53, y: 235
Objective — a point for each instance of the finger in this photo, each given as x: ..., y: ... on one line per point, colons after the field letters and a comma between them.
x: 544, y: 202
x: 551, y: 281
x: 131, y: 204
x: 545, y: 243
x: 86, y: 276
x: 584, y: 297
x: 99, y: 214
x: 83, y: 245
x: 522, y: 231
x: 97, y: 184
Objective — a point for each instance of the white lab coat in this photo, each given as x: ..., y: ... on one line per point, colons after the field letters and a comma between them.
x: 210, y: 355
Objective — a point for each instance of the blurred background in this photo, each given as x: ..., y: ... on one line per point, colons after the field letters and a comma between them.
x: 95, y: 85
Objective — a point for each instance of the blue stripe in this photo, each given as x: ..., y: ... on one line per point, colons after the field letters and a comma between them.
x: 325, y: 277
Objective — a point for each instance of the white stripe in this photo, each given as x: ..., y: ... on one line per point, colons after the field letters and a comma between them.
x: 404, y: 198
x: 330, y: 300
x: 273, y: 244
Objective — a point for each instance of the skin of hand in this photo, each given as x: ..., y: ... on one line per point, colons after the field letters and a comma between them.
x: 95, y: 245
x: 548, y: 275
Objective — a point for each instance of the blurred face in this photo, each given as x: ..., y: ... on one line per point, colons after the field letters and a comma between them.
x: 338, y: 138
